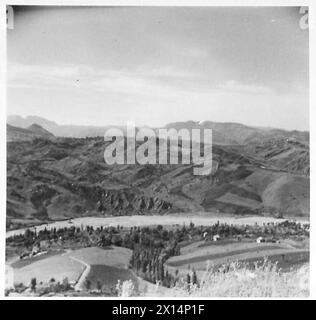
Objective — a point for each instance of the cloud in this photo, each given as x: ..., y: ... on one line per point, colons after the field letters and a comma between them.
x: 165, y: 82
x: 162, y: 82
x: 236, y: 86
x: 143, y: 85
x: 20, y: 72
x: 150, y: 96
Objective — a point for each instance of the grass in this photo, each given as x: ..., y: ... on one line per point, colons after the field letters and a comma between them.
x: 195, y: 255
x: 106, y: 267
x: 107, y: 277
x: 57, y: 267
x: 111, y: 256
x: 26, y: 261
x: 286, y: 263
x: 218, y: 243
x: 236, y: 280
x: 220, y: 255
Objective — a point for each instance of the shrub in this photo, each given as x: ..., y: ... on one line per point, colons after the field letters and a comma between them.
x: 239, y: 280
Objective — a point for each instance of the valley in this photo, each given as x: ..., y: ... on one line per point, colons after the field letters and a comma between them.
x: 81, y: 227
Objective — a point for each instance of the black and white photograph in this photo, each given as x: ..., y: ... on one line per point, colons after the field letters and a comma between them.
x: 157, y: 151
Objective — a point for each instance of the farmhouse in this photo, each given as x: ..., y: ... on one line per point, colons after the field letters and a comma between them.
x: 216, y: 237
x: 260, y: 240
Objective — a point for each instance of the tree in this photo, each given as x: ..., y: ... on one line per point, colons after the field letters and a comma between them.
x: 188, y: 278
x: 188, y: 281
x: 65, y: 284
x: 88, y: 284
x: 99, y: 285
x: 194, y: 277
x: 33, y: 284
x: 117, y: 240
x: 99, y: 206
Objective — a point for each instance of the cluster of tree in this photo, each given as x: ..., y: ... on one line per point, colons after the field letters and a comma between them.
x: 43, y: 288
x: 154, y: 247
x: 150, y: 238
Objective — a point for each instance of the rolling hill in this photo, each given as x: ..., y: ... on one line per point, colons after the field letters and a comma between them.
x: 52, y: 179
x: 74, y: 131
x: 29, y: 133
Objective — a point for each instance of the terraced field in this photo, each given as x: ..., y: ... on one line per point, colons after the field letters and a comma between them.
x: 197, y: 254
x: 215, y: 256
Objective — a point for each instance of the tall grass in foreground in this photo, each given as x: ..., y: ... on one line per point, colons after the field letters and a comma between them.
x: 233, y: 280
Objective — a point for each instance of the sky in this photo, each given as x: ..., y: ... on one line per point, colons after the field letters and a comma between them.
x: 156, y: 65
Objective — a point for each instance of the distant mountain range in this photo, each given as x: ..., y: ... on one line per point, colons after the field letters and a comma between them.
x: 74, y: 131
x: 236, y: 133
x: 223, y: 133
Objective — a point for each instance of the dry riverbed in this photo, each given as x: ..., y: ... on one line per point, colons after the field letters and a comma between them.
x: 137, y: 220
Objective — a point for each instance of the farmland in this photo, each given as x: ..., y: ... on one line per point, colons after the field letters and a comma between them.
x: 94, y: 259
x: 88, y: 267
x: 56, y: 267
x: 220, y: 254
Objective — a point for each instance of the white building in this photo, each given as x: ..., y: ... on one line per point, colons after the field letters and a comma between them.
x: 260, y: 240
x: 216, y: 237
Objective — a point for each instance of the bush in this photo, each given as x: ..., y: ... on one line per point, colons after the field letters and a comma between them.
x: 126, y: 289
x: 239, y: 280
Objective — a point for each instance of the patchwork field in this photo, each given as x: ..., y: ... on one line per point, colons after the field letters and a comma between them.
x: 17, y: 264
x: 100, y: 266
x: 197, y: 255
x: 56, y: 267
x: 111, y: 256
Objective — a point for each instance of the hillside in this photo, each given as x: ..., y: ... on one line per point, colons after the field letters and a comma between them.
x: 75, y: 131
x: 52, y: 179
x: 236, y: 133
x: 29, y: 133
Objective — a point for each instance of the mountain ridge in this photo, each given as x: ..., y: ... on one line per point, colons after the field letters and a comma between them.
x: 224, y: 133
x: 31, y: 132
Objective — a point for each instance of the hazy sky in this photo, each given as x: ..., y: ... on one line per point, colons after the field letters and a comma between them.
x: 108, y: 65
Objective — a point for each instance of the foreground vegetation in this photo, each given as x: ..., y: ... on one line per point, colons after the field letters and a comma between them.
x: 234, y: 280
